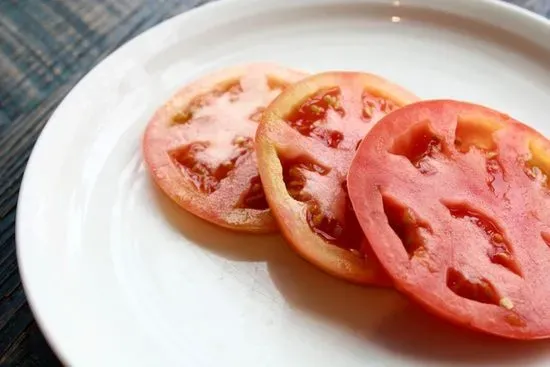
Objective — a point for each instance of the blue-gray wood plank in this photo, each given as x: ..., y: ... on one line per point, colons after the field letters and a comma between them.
x: 45, y: 47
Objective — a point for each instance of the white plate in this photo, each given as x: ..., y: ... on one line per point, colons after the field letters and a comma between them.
x: 116, y: 275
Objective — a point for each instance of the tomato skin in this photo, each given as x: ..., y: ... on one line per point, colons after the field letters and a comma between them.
x: 292, y: 214
x: 480, y: 206
x: 213, y: 206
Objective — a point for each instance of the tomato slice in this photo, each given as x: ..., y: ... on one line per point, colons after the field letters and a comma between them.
x: 199, y: 146
x: 305, y: 143
x: 454, y: 199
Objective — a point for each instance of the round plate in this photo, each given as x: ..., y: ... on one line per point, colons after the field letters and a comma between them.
x: 117, y: 275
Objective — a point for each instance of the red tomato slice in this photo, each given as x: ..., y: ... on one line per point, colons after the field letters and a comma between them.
x: 199, y: 145
x: 305, y: 143
x: 454, y: 199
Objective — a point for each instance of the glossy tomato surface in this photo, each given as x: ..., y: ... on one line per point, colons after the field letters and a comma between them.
x: 199, y: 146
x: 305, y: 143
x: 454, y: 199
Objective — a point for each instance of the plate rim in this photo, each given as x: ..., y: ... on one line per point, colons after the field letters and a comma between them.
x: 47, y: 326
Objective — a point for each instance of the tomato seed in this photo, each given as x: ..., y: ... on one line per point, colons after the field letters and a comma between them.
x: 408, y: 217
x: 367, y: 112
x: 403, y: 222
x: 506, y: 303
x: 356, y: 252
x: 372, y: 104
x: 514, y: 320
x: 182, y: 117
x: 332, y: 101
x: 491, y: 155
x: 239, y: 140
x: 317, y: 110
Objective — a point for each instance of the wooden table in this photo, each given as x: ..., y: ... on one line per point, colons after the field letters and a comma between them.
x: 45, y: 47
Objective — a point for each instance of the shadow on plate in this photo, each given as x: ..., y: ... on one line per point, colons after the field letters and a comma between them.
x: 229, y: 244
x: 377, y: 315
x: 385, y: 318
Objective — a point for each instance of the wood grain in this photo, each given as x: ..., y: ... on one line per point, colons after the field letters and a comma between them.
x: 46, y: 46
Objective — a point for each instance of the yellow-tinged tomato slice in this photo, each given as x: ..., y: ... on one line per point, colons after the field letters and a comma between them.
x: 305, y: 143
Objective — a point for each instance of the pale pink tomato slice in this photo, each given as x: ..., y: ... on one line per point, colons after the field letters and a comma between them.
x: 199, y: 146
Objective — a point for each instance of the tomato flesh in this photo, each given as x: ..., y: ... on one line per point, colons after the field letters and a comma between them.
x: 339, y: 227
x: 199, y: 146
x: 311, y: 132
x: 348, y: 236
x: 254, y: 197
x: 204, y: 177
x: 405, y: 224
x: 305, y: 119
x: 453, y: 200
